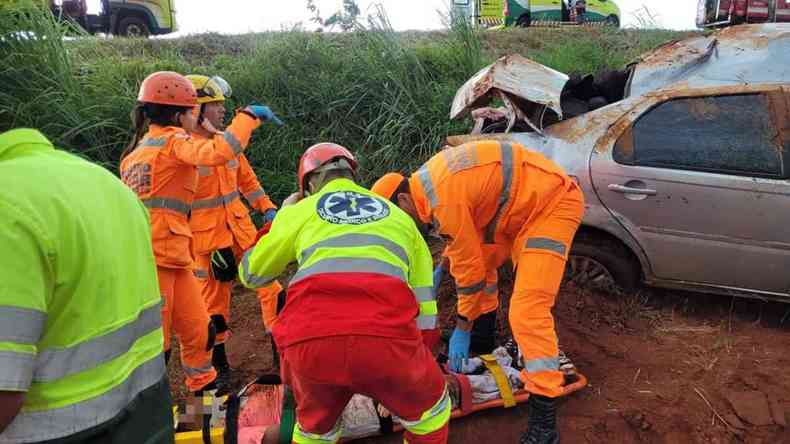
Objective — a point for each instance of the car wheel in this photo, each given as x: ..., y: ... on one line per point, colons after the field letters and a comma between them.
x: 133, y: 27
x: 524, y: 21
x: 602, y: 263
x: 612, y: 21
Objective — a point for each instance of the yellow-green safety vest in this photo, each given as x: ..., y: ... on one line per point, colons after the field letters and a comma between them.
x: 80, y: 322
x: 391, y: 246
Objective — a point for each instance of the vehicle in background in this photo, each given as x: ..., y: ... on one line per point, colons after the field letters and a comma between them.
x: 130, y: 18
x: 717, y: 13
x: 683, y: 158
x: 539, y: 12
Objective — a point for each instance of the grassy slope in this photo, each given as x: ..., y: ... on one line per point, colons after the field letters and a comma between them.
x: 385, y: 95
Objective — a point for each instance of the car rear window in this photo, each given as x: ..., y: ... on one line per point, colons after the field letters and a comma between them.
x: 724, y: 134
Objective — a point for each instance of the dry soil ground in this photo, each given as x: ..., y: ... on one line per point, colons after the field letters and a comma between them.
x: 664, y: 367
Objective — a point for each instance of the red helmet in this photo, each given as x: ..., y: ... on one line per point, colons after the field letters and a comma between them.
x: 168, y: 88
x: 319, y: 155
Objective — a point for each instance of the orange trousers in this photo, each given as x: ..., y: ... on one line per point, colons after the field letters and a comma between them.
x: 543, y: 248
x: 184, y: 313
x: 217, y: 295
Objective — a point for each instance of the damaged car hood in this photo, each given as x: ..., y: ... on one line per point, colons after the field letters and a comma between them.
x: 514, y: 75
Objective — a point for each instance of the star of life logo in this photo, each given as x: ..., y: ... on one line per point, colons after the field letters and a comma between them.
x: 351, y: 208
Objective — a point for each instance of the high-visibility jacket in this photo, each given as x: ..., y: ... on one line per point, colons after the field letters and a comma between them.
x: 363, y: 267
x: 162, y: 171
x: 218, y: 214
x: 80, y: 324
x: 480, y: 195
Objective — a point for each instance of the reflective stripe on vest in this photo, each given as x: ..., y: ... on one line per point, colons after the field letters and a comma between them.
x: 196, y: 371
x: 204, y: 171
x: 253, y: 280
x: 215, y: 202
x: 349, y: 265
x: 21, y: 325
x: 471, y: 289
x: 424, y: 176
x: 255, y: 195
x: 157, y: 142
x: 542, y: 365
x: 544, y: 243
x: 506, y: 150
x: 166, y: 203
x: 18, y: 367
x: 330, y: 437
x: 357, y: 240
x: 53, y: 364
x: 232, y: 141
x: 55, y: 423
x: 491, y: 289
x: 200, y: 274
x: 433, y: 419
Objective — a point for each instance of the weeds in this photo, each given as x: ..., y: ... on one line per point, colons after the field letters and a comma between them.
x: 383, y: 94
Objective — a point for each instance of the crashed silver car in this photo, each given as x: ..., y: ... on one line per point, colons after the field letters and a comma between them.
x: 684, y: 158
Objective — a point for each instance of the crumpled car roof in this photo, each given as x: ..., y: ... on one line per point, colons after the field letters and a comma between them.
x: 758, y: 53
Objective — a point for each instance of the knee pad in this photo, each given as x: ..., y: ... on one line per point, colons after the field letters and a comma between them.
x: 212, y: 335
x: 220, y: 324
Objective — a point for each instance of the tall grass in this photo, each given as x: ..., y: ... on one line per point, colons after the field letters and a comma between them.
x: 384, y: 95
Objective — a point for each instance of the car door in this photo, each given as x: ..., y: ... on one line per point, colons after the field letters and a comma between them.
x: 701, y: 181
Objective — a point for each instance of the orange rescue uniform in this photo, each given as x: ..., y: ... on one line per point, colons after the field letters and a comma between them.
x: 498, y: 200
x: 162, y: 171
x: 221, y: 220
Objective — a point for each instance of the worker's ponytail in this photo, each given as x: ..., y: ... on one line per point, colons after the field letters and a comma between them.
x: 139, y: 123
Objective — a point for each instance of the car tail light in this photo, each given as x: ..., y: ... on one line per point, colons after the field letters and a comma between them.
x: 506, y: 8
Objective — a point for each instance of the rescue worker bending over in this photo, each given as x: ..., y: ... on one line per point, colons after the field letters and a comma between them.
x: 351, y: 320
x: 496, y: 201
x: 80, y: 325
x: 161, y: 167
x: 221, y: 226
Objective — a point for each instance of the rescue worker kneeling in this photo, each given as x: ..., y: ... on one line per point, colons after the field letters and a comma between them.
x: 351, y: 320
x: 497, y: 201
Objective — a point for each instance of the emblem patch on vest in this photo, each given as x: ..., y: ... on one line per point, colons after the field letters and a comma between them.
x: 350, y: 208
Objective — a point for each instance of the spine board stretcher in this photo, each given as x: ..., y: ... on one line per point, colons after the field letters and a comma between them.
x: 283, y: 408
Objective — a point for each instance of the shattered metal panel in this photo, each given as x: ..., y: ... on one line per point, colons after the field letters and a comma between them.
x: 746, y: 54
x: 514, y: 75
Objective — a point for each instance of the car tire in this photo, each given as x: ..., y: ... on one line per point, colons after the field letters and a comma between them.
x: 601, y: 262
x: 524, y: 21
x: 133, y: 26
x: 612, y: 21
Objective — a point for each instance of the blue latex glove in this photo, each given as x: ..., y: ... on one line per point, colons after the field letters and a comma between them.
x: 264, y: 113
x: 438, y: 275
x: 459, y: 349
x: 268, y: 215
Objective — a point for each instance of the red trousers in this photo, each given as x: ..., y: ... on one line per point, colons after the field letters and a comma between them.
x: 399, y: 373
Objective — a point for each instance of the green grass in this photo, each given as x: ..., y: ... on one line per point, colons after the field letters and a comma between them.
x: 385, y: 95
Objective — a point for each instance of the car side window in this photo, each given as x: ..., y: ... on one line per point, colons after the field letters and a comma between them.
x: 734, y: 134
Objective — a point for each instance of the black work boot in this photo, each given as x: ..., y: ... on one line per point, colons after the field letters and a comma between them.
x: 542, y: 422
x: 220, y: 362
x: 483, y: 334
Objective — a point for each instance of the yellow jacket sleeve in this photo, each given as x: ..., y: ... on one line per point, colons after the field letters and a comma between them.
x: 27, y: 282
x: 262, y: 263
x: 464, y: 251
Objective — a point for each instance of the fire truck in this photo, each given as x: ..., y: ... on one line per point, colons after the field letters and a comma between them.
x: 718, y: 13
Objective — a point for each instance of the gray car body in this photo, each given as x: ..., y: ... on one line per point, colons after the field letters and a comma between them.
x: 733, y: 233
